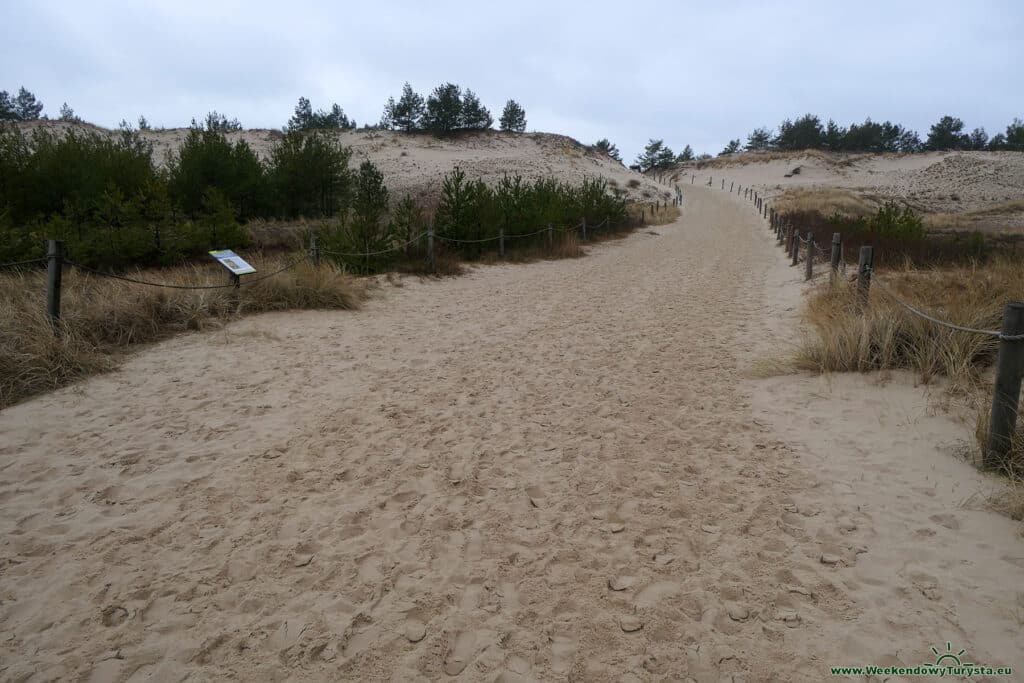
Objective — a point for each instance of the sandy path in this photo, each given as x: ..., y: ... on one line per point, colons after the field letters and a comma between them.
x: 538, y: 472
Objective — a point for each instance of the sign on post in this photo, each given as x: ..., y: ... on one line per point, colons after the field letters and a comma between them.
x: 233, y: 262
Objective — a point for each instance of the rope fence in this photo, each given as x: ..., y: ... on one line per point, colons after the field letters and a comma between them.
x: 18, y: 264
x: 56, y: 259
x: 1009, y: 365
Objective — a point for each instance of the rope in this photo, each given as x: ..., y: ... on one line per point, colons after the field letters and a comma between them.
x: 170, y: 286
x: 452, y: 239
x: 15, y: 264
x: 961, y: 328
x: 528, y: 234
x: 378, y: 253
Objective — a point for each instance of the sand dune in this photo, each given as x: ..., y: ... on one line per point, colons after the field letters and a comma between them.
x: 948, y: 182
x: 416, y: 164
x: 556, y: 471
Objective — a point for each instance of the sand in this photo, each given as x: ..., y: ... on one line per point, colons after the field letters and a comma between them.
x: 416, y: 164
x: 935, y: 182
x: 557, y: 471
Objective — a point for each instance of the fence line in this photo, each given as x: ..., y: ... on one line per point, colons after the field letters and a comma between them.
x: 15, y: 264
x: 1010, y: 362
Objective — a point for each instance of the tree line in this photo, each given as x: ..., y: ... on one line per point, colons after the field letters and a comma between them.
x: 113, y: 206
x: 447, y: 109
x: 948, y: 133
x: 808, y: 132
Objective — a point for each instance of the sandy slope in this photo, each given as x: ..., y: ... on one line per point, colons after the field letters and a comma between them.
x: 948, y: 182
x: 545, y: 472
x: 416, y: 164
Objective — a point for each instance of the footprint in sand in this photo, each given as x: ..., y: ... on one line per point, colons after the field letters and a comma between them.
x: 460, y: 653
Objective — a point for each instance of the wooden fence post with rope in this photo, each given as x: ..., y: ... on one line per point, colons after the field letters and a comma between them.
x: 1006, y: 394
x: 54, y: 271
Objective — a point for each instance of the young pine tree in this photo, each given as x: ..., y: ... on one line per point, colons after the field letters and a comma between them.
x: 444, y: 109
x: 476, y: 116
x: 606, y: 146
x: 513, y: 118
x: 26, y: 106
x: 406, y: 114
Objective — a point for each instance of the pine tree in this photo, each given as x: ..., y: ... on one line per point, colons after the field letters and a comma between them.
x: 513, y: 118
x: 369, y: 204
x: 7, y: 110
x: 947, y: 134
x: 686, y: 154
x: 760, y: 139
x: 26, y: 106
x: 444, y: 109
x: 731, y: 148
x: 978, y: 138
x: 475, y: 116
x: 606, y: 146
x: 655, y: 155
x: 406, y: 114
x: 143, y: 123
x: 336, y: 119
x: 1015, y: 135
x: 68, y: 114
x: 302, y: 119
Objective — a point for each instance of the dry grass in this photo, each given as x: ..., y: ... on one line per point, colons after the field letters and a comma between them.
x: 745, y: 158
x: 827, y: 201
x: 970, y: 220
x: 102, y: 318
x: 1008, y: 499
x: 884, y: 335
x: 654, y: 214
x: 888, y: 336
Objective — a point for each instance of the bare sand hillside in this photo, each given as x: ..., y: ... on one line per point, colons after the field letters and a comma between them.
x: 555, y: 471
x: 415, y: 164
x: 985, y: 189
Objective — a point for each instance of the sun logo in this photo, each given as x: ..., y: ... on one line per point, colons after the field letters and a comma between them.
x: 947, y: 658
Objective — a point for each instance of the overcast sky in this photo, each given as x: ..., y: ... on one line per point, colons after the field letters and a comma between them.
x: 695, y: 73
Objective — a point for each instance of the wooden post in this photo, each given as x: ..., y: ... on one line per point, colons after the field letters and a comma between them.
x: 54, y: 271
x: 723, y: 183
x: 314, y: 250
x: 501, y: 242
x: 584, y: 228
x: 837, y: 250
x: 432, y: 260
x: 809, y: 271
x: 642, y: 217
x: 864, y: 264
x: 692, y: 178
x: 731, y: 185
x: 796, y: 248
x: 1006, y: 397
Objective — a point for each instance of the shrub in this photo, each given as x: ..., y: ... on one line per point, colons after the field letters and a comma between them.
x: 309, y: 174
x: 364, y: 232
x: 605, y: 146
x: 208, y: 160
x: 893, y: 221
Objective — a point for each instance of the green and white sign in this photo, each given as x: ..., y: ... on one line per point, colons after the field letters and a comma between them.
x: 233, y: 262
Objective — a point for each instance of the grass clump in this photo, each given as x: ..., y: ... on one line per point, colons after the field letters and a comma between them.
x: 885, y: 335
x: 848, y: 337
x: 103, y: 318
